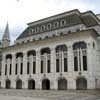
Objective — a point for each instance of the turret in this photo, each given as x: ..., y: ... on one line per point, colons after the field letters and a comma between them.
x: 6, y: 37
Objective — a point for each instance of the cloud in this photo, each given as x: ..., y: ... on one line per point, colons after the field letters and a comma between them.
x: 19, y: 13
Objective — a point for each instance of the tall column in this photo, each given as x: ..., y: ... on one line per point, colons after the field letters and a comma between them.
x: 3, y: 71
x: 70, y: 58
x: 60, y: 62
x: 13, y: 63
x: 31, y: 64
x: 53, y: 60
x: 24, y: 62
x: 81, y: 56
x: 45, y: 63
x: 90, y: 56
x: 62, y: 70
x: 38, y: 60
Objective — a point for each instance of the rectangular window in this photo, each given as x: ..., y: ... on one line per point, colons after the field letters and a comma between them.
x: 10, y: 69
x: 65, y: 65
x: 34, y: 67
x: 57, y: 65
x: 48, y: 66
x: 28, y: 69
x: 41, y: 66
x: 85, y: 63
x: 6, y: 69
x: 21, y: 69
x: 16, y: 70
x: 75, y: 64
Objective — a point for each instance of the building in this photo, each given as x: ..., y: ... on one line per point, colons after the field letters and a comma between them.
x: 59, y: 52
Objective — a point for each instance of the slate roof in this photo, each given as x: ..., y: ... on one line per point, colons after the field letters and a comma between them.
x: 88, y: 18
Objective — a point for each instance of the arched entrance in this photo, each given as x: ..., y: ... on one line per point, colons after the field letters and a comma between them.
x: 81, y: 84
x: 19, y: 84
x: 45, y: 84
x: 62, y: 84
x: 8, y: 83
x: 31, y: 84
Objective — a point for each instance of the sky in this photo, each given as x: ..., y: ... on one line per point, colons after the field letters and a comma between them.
x: 20, y: 12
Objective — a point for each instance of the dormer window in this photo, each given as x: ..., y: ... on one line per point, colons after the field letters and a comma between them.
x: 42, y: 28
x: 36, y: 29
x: 56, y: 24
x: 49, y: 26
x: 63, y: 22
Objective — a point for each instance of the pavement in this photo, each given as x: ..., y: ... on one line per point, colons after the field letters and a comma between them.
x: 19, y: 98
x: 11, y: 94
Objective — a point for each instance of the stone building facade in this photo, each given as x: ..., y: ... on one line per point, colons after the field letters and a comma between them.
x: 59, y: 52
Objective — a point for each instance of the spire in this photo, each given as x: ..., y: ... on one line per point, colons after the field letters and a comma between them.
x: 6, y: 33
x: 6, y: 37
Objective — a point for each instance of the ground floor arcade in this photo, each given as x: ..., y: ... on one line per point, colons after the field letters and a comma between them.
x: 46, y: 83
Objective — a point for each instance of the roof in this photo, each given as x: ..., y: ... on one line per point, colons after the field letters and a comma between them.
x: 72, y: 18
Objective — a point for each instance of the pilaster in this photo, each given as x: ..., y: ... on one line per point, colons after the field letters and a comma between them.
x: 70, y: 58
x: 38, y: 60
x: 53, y: 60
x: 24, y: 62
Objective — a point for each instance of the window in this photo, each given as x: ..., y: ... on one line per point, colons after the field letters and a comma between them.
x: 85, y: 63
x: 41, y: 66
x: 79, y: 54
x: 57, y: 65
x: 48, y: 26
x: 63, y: 23
x: 65, y: 65
x: 34, y: 67
x: 6, y: 69
x: 42, y: 28
x: 61, y: 53
x: 16, y: 69
x: 10, y: 69
x: 28, y: 68
x: 75, y: 64
x: 56, y: 25
x: 21, y: 69
x: 48, y: 66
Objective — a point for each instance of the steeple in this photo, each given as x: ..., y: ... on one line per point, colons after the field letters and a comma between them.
x: 6, y: 37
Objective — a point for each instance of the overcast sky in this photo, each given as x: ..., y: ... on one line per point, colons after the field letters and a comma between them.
x: 20, y: 12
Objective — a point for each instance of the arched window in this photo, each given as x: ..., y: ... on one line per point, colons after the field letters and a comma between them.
x: 61, y: 58
x: 49, y: 26
x: 62, y: 22
x: 8, y: 84
x: 19, y: 84
x: 31, y: 84
x: 31, y: 57
x: 56, y: 25
x: 43, y: 28
x: 62, y: 84
x: 81, y: 83
x: 46, y: 84
x: 8, y: 60
x: 45, y: 60
x: 19, y: 56
x: 80, y: 56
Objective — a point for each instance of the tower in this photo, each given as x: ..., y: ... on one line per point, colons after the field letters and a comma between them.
x: 6, y: 37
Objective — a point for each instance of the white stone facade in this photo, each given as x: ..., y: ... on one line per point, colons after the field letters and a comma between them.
x: 50, y: 68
